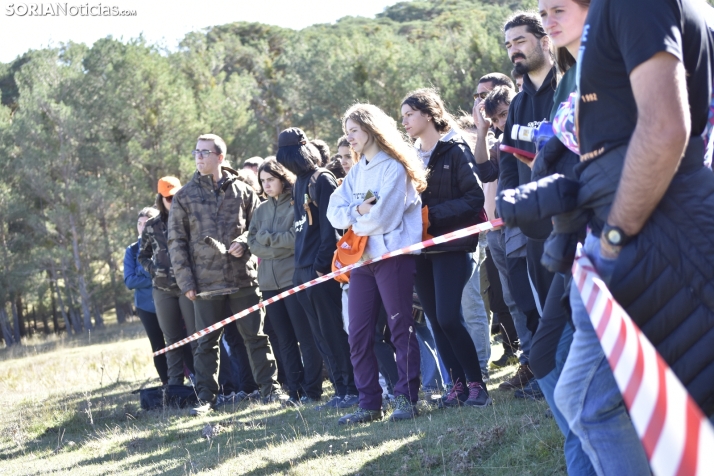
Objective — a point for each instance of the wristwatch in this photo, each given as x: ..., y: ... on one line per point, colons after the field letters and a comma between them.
x: 615, y: 236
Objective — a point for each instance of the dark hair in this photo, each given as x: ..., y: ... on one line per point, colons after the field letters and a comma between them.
x: 159, y: 205
x: 563, y: 58
x: 530, y: 20
x: 427, y: 101
x: 499, y: 95
x: 516, y: 74
x: 324, y: 150
x: 342, y: 142
x: 248, y: 177
x: 497, y: 79
x: 465, y: 121
x: 335, y: 166
x: 277, y: 170
x: 298, y: 159
x: 148, y: 212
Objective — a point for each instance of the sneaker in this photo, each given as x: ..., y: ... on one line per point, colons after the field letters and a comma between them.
x: 388, y: 401
x: 507, y: 359
x: 231, y: 399
x: 456, y: 396
x: 361, y: 416
x: 202, y: 408
x: 485, y: 376
x: 349, y: 401
x: 520, y: 380
x: 331, y: 403
x: 478, y: 396
x: 531, y: 391
x: 404, y: 409
x: 305, y: 400
x: 292, y: 402
x: 276, y: 396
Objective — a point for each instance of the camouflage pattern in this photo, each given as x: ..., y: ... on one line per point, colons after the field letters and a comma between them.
x: 154, y: 254
x: 197, y: 211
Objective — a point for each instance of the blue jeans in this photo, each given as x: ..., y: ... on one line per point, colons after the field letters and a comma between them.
x: 576, y: 460
x: 433, y: 373
x: 476, y: 319
x: 588, y: 396
x: 496, y: 245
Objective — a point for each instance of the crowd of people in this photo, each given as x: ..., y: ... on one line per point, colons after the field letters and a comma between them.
x: 625, y: 173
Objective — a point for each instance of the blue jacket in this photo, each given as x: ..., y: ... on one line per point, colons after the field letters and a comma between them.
x: 136, y: 278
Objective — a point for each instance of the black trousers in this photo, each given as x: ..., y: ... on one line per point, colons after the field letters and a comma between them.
x: 301, y: 360
x: 323, y: 305
x: 156, y: 339
x: 440, y: 281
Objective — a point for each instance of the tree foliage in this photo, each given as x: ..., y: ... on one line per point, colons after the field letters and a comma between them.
x: 85, y: 132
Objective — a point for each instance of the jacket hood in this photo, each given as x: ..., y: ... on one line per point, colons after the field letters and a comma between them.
x: 549, y: 84
x: 291, y: 158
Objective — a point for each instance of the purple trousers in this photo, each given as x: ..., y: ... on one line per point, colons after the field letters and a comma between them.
x: 390, y: 282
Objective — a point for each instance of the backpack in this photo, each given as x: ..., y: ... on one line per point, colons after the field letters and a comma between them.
x: 176, y: 396
x: 311, y: 192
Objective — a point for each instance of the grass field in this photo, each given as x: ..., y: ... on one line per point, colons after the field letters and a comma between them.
x: 69, y: 409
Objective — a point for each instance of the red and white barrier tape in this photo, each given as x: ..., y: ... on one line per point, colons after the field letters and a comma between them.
x: 675, y: 434
x: 454, y: 235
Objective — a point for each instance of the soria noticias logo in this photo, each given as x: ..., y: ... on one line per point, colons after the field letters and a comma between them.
x: 65, y: 10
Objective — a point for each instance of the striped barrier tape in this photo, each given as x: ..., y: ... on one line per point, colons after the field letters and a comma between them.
x: 454, y: 235
x: 677, y: 437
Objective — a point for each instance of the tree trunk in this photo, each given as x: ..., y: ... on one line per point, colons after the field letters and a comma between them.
x: 98, y: 321
x: 76, y: 321
x: 55, y: 288
x: 21, y: 316
x: 83, y: 294
x: 15, y: 321
x: 5, y: 326
x: 113, y: 270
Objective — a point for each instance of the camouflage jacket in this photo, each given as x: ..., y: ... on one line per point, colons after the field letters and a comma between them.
x: 154, y: 254
x: 198, y: 210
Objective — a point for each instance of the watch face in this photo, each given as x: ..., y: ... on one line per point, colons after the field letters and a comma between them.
x: 614, y: 237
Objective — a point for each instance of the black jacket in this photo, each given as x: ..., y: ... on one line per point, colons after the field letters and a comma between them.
x: 529, y: 107
x: 314, y: 244
x: 453, y: 194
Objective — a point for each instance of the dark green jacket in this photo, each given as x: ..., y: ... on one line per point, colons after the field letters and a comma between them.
x: 154, y: 254
x: 197, y: 211
x: 271, y: 238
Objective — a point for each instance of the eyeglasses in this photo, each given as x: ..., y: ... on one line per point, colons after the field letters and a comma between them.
x: 481, y: 95
x: 203, y: 153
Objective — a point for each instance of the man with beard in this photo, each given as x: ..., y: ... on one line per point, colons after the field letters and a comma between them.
x: 528, y: 48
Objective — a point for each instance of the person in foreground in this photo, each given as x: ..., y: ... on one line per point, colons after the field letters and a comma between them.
x: 215, y: 204
x: 380, y: 199
x: 643, y: 102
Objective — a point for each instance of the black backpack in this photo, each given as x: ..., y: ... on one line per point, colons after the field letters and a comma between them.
x: 176, y: 396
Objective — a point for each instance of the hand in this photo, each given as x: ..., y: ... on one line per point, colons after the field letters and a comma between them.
x: 364, y: 207
x: 237, y: 249
x: 191, y: 294
x: 608, y: 251
x: 524, y: 159
x: 478, y: 114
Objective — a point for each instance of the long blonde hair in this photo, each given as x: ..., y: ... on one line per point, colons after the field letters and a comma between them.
x: 383, y: 129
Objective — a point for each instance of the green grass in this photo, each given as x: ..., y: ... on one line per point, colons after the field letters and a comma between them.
x: 68, y: 408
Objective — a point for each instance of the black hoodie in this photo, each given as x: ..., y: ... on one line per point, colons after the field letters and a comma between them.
x: 529, y: 108
x: 314, y: 244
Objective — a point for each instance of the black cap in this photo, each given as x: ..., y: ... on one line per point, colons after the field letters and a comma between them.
x: 292, y: 136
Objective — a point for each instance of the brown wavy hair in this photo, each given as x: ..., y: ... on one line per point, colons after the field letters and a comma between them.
x: 383, y: 129
x: 427, y: 101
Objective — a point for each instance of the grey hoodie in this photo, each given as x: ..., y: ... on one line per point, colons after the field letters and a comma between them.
x: 395, y: 221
